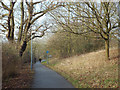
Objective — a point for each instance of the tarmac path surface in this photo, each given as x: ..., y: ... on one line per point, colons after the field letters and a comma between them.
x: 47, y: 78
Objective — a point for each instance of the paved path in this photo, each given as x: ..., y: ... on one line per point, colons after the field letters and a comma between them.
x: 47, y: 78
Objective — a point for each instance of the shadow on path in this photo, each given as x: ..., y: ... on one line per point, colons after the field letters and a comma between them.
x: 47, y: 78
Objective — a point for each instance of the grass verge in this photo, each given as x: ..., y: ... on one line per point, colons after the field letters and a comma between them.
x: 89, y: 70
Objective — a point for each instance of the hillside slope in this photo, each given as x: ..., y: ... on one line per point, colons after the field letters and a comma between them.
x: 89, y: 70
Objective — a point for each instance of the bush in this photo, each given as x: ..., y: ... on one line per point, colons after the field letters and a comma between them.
x: 11, y: 61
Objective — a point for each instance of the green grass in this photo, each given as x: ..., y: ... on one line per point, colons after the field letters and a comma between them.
x: 44, y: 62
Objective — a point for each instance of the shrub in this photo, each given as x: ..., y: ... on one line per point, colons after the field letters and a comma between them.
x: 10, y: 60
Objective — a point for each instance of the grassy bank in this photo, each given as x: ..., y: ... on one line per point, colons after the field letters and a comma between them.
x: 89, y: 70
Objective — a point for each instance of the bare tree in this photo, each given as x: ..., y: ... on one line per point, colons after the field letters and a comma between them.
x: 99, y: 18
x: 30, y: 14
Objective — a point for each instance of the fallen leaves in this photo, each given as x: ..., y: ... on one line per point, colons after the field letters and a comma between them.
x: 22, y: 80
x: 90, y: 70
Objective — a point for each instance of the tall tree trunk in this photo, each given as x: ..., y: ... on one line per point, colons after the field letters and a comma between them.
x: 9, y: 28
x: 107, y: 48
x: 12, y: 25
x: 22, y: 47
x: 27, y: 27
x: 10, y: 35
x: 22, y: 20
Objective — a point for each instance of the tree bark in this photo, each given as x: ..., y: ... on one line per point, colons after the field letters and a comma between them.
x: 10, y: 35
x: 107, y: 48
x: 12, y: 26
x: 22, y: 47
x: 22, y: 21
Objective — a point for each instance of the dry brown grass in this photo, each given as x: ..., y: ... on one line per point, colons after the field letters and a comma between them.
x: 89, y: 70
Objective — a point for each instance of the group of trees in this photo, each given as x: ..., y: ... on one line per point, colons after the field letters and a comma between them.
x: 65, y: 44
x: 23, y: 20
x: 39, y: 49
x: 89, y: 19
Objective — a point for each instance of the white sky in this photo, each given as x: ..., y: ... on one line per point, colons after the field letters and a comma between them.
x: 44, y: 17
x: 70, y: 0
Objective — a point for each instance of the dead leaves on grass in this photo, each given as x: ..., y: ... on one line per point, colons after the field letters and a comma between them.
x: 22, y: 80
x: 90, y: 70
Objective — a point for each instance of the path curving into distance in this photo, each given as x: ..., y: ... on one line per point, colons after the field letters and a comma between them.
x: 47, y: 78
